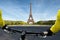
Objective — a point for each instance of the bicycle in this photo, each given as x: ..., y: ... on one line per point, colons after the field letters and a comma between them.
x: 23, y: 32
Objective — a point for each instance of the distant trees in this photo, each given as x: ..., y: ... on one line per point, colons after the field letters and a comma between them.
x: 15, y: 22
x: 50, y: 22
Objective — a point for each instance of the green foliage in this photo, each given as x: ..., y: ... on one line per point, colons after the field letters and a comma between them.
x: 15, y: 22
x: 50, y: 22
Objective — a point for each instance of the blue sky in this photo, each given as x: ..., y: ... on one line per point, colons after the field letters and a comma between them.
x: 20, y: 9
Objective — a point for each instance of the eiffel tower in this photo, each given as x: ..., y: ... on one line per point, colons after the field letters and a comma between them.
x: 30, y: 20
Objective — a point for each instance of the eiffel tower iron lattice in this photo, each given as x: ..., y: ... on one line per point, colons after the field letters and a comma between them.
x: 30, y: 20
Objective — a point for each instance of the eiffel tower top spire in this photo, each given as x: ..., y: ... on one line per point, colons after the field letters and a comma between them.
x: 30, y: 20
x: 30, y: 10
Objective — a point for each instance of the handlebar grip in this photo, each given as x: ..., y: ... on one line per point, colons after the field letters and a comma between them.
x: 4, y: 27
